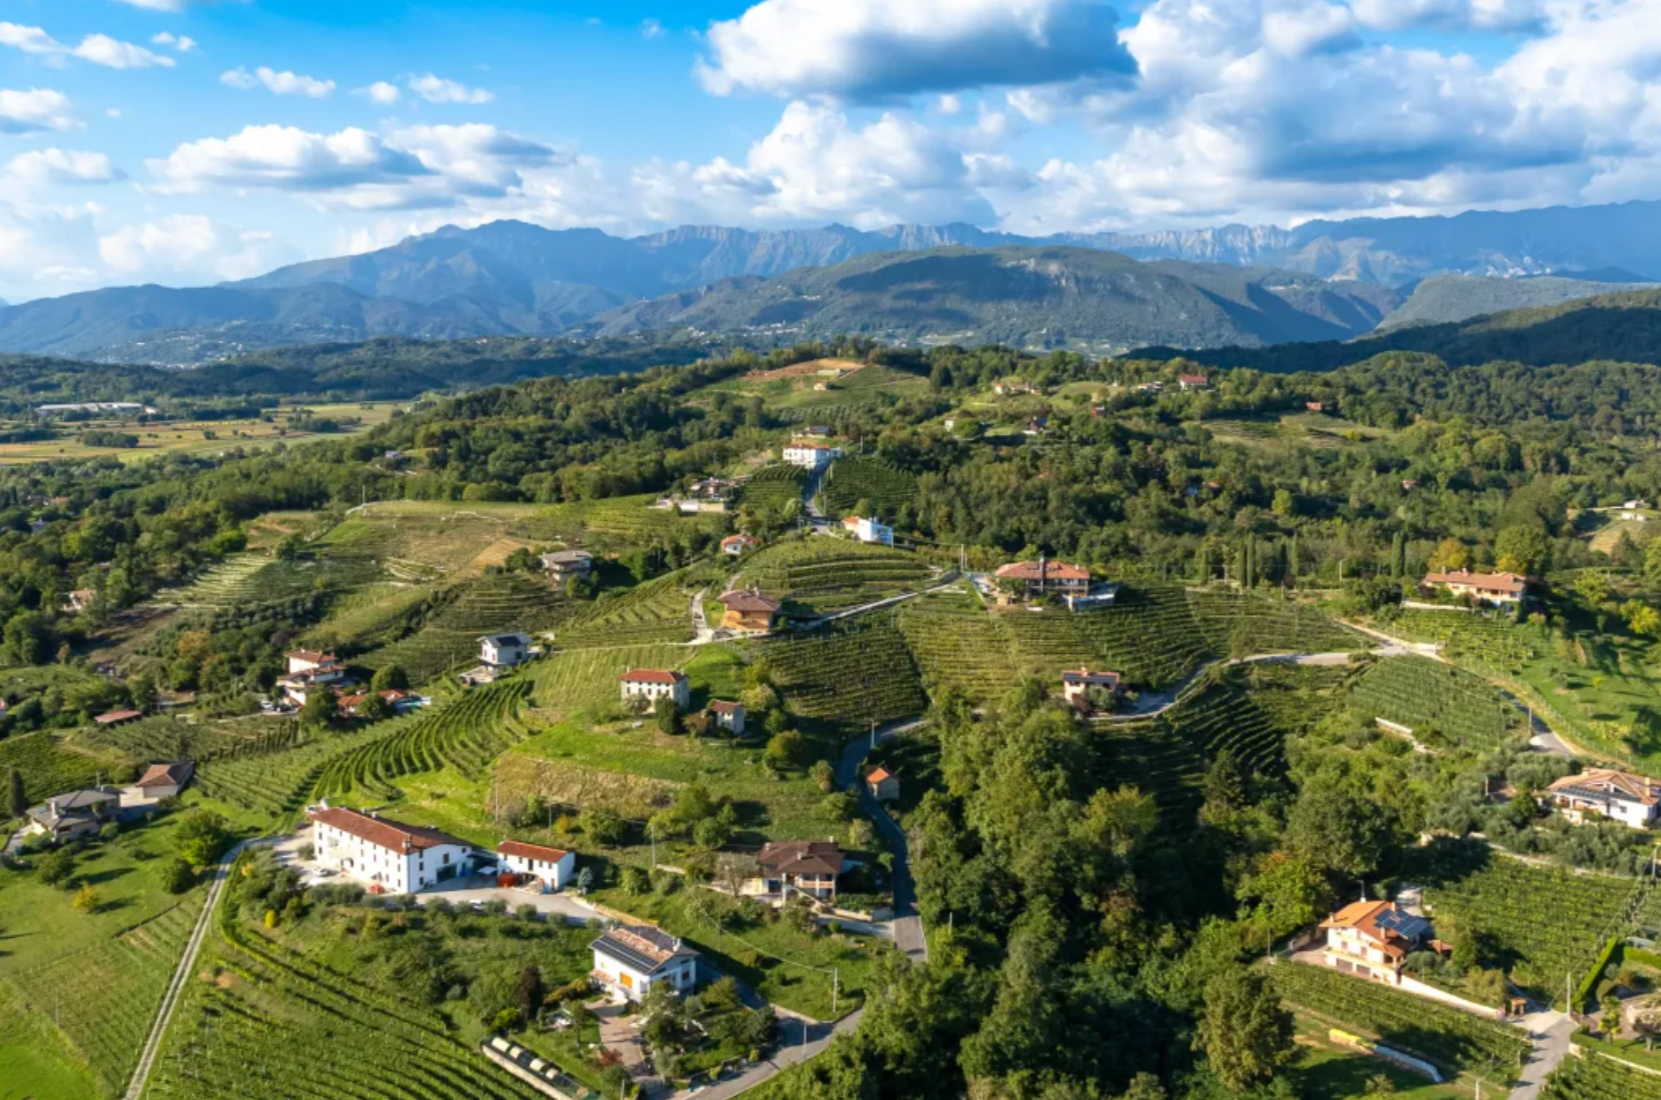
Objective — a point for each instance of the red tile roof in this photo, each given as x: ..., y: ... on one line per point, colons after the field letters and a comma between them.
x: 1045, y: 570
x: 722, y: 706
x: 749, y: 601
x: 878, y: 774
x: 1509, y: 584
x: 530, y: 851
x: 652, y: 676
x: 165, y: 775
x: 115, y: 716
x: 383, y: 832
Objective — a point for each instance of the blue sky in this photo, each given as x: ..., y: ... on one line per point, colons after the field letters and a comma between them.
x: 190, y: 141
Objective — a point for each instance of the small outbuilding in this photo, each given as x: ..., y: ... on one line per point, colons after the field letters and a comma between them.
x: 883, y: 784
x: 553, y: 867
x: 165, y: 780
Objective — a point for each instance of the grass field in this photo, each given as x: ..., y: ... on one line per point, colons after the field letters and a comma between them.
x: 206, y: 437
x: 87, y: 984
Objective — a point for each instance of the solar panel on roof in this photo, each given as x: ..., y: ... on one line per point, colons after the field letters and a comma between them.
x: 627, y: 955
x: 1404, y: 924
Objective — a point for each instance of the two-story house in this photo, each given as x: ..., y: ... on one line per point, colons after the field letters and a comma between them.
x: 1043, y: 577
x: 1634, y: 800
x: 308, y: 669
x: 1500, y: 589
x: 630, y: 959
x: 504, y: 650
x: 564, y: 564
x: 386, y: 855
x: 652, y: 684
x: 553, y: 867
x: 811, y: 455
x: 808, y: 867
x: 749, y: 612
x: 1371, y: 939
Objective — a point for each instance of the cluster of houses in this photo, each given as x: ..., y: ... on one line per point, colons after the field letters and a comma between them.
x: 645, y: 686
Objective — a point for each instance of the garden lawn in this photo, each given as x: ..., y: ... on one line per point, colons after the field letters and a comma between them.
x: 789, y: 968
x: 1327, y: 1071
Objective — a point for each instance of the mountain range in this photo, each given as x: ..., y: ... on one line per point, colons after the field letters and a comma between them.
x: 511, y: 278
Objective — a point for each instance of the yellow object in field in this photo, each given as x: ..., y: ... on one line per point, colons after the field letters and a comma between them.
x: 1344, y: 1038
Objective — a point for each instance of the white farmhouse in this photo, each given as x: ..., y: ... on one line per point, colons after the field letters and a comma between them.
x: 652, y: 684
x: 729, y: 716
x: 1618, y: 796
x: 810, y: 455
x: 630, y: 959
x: 388, y: 856
x: 309, y: 668
x: 868, y: 530
x: 553, y: 867
x: 504, y: 650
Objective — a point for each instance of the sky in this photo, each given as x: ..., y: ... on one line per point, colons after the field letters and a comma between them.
x: 188, y: 142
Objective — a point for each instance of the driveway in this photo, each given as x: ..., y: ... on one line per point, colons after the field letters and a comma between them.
x: 619, y: 1034
x: 907, y: 925
x: 1551, y: 1032
x: 14, y: 845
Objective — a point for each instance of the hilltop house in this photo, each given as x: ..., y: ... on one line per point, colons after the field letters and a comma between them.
x: 1371, y: 939
x: 75, y: 814
x: 79, y: 600
x: 883, y: 784
x: 808, y: 867
x: 1618, y: 796
x: 868, y: 530
x: 398, y: 699
x: 630, y: 959
x: 1193, y: 382
x: 553, y: 867
x: 728, y: 716
x: 749, y: 612
x: 1042, y: 577
x: 565, y: 564
x: 388, y: 856
x: 504, y: 650
x: 164, y: 780
x: 119, y: 717
x: 1503, y: 589
x: 736, y: 545
x: 652, y: 684
x: 810, y: 455
x: 307, y: 669
x: 1077, y: 684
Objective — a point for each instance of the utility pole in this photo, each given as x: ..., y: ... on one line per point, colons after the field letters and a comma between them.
x: 873, y: 735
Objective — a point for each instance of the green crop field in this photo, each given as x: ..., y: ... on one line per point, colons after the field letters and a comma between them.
x: 818, y: 575
x: 1452, y: 1038
x: 1594, y: 1078
x: 270, y: 1023
x: 1439, y: 703
x: 279, y: 783
x: 851, y: 480
x: 46, y: 766
x: 849, y: 676
x: 958, y: 644
x: 465, y: 734
x: 772, y: 488
x: 658, y: 610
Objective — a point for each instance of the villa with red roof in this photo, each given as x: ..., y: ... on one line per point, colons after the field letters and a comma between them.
x: 1371, y: 939
x: 386, y: 855
x: 749, y: 612
x: 1493, y: 588
x: 553, y: 867
x: 652, y: 684
x: 1042, y: 577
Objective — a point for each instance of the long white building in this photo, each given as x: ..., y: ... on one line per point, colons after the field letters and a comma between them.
x: 385, y: 855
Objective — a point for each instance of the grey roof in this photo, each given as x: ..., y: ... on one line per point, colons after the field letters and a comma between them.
x: 507, y: 639
x: 82, y: 800
x: 565, y: 557
x: 641, y: 948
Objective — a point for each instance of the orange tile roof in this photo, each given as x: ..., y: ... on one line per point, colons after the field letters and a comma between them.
x: 1043, y: 570
x: 1616, y: 784
x: 652, y: 676
x: 878, y: 774
x: 531, y: 851
x: 383, y: 832
x: 749, y: 601
x: 1510, y: 584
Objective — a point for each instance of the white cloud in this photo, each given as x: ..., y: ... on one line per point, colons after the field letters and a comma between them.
x: 949, y: 104
x: 436, y: 89
x: 41, y: 167
x: 180, y: 42
x: 189, y: 247
x: 421, y: 167
x: 279, y: 83
x: 34, y: 110
x: 100, y: 49
x: 383, y: 93
x: 1451, y: 14
x: 816, y: 165
x: 651, y: 28
x: 876, y: 49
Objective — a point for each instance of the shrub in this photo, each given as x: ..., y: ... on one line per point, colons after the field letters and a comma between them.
x: 177, y: 876
x: 55, y: 868
x: 86, y: 899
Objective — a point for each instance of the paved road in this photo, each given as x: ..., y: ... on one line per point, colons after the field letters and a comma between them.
x: 907, y: 926
x: 1551, y: 1032
x: 181, y: 974
x: 13, y: 846
x: 702, y: 633
x: 1152, y: 703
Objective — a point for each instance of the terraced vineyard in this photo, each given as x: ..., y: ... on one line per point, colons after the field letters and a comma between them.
x: 370, y: 616
x: 501, y: 601
x: 1045, y: 642
x: 659, y: 610
x: 1451, y: 1038
x: 856, y: 478
x: 1236, y: 624
x: 1551, y: 922
x: 277, y: 1026
x: 169, y: 738
x: 427, y: 654
x: 46, y: 766
x: 1483, y: 640
x: 958, y: 644
x: 103, y: 998
x: 830, y: 574
x: 1594, y: 1078
x: 772, y: 488
x: 278, y: 783
x: 1439, y: 703
x: 1148, y: 756
x: 849, y: 676
x: 586, y: 679
x: 1151, y: 635
x: 1220, y: 716
x: 466, y: 735
x: 251, y: 579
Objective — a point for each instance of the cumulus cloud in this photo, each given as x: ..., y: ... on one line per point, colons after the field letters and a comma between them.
x: 1451, y: 14
x: 41, y: 167
x: 651, y: 28
x: 100, y: 49
x: 420, y: 167
x: 876, y: 49
x: 435, y: 89
x: 29, y: 112
x: 176, y: 42
x: 383, y: 93
x: 191, y: 247
x: 279, y: 83
x: 817, y: 165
